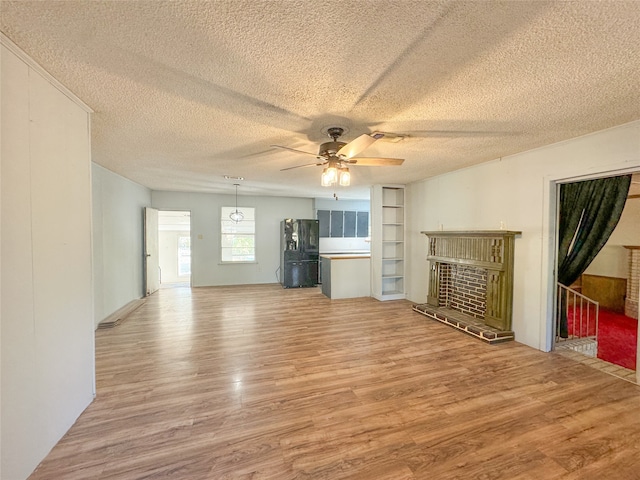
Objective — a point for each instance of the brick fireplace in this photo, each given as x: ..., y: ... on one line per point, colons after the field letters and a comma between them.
x: 471, y: 282
x: 633, y: 283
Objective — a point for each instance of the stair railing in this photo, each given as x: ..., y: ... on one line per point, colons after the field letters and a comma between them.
x: 582, y: 314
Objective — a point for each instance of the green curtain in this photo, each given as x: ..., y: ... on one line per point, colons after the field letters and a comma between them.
x: 589, y: 212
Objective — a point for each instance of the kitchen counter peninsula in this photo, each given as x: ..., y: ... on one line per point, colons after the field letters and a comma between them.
x: 346, y: 275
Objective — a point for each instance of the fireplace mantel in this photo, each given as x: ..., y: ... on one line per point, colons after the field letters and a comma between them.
x: 489, y: 250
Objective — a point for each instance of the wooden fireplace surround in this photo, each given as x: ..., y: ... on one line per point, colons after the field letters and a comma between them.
x: 491, y: 250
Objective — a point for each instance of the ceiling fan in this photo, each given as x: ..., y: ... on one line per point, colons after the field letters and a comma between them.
x: 336, y: 156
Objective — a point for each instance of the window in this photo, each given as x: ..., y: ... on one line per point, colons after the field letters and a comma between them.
x: 238, y: 240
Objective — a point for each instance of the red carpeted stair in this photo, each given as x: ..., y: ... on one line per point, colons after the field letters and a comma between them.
x: 617, y: 338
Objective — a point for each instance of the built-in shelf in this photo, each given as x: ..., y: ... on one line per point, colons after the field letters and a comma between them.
x: 387, y: 241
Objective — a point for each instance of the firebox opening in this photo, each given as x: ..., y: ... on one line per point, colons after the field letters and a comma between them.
x: 464, y: 289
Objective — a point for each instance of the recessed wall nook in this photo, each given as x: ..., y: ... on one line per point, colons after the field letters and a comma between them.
x: 471, y: 282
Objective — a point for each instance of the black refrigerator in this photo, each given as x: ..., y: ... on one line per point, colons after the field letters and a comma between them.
x: 299, y: 246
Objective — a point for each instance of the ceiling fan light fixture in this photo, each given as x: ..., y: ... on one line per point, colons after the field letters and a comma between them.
x: 337, y: 155
x: 325, y: 181
x: 345, y: 177
x: 335, y: 174
x: 329, y: 176
x: 332, y: 173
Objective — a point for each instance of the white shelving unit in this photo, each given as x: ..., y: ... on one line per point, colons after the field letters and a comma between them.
x: 387, y: 242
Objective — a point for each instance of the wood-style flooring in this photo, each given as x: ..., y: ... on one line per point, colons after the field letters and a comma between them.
x: 259, y: 382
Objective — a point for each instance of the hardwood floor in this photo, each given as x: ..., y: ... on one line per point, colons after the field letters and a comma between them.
x: 259, y: 382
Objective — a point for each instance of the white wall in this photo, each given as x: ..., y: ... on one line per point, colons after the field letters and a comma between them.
x: 344, y: 245
x: 516, y: 193
x: 47, y: 302
x: 613, y: 259
x: 117, y: 240
x: 363, y: 205
x: 206, y: 269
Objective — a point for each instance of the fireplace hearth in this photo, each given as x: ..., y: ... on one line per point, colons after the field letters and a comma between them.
x: 471, y: 282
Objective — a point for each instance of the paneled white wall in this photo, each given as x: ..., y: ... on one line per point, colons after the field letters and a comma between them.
x: 117, y: 240
x: 47, y: 344
x: 515, y: 193
x: 206, y: 269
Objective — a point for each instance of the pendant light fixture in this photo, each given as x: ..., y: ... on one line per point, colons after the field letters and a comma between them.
x: 236, y: 216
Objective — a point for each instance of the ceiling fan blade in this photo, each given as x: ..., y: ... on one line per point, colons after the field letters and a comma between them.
x: 375, y: 162
x: 305, y: 165
x: 297, y: 151
x: 354, y: 147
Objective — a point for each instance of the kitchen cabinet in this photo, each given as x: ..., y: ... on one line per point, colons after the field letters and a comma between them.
x: 343, y: 224
x: 337, y: 223
x: 349, y: 224
x: 362, y: 224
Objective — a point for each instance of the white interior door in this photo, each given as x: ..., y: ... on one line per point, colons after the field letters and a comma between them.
x: 151, y: 257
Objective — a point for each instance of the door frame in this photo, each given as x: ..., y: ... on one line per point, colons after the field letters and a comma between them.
x: 549, y: 280
x: 151, y: 250
x: 160, y: 254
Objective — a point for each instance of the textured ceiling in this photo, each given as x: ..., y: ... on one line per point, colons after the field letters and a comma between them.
x: 186, y: 92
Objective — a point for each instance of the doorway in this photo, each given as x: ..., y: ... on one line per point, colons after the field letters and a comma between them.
x: 610, y: 281
x: 174, y: 244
